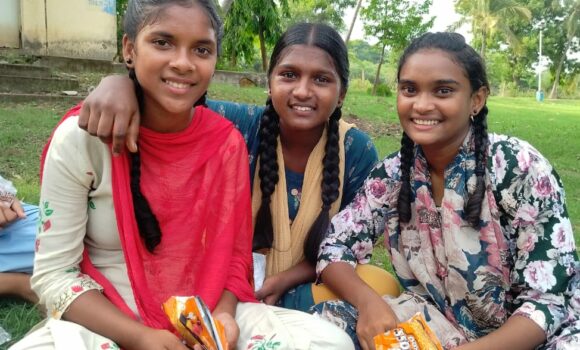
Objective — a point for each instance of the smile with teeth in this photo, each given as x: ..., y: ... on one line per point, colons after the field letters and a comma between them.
x: 176, y: 84
x: 302, y: 108
x: 428, y: 122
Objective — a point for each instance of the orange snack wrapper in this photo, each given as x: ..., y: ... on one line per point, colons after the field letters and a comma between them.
x: 194, y: 323
x: 413, y: 334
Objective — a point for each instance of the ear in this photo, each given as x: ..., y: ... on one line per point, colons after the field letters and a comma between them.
x: 128, y: 51
x: 341, y: 98
x: 478, y: 99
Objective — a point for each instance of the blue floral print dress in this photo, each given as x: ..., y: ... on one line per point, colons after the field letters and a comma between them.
x: 522, y: 260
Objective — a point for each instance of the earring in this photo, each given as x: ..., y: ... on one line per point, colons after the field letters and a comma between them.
x: 128, y: 60
x: 471, y: 117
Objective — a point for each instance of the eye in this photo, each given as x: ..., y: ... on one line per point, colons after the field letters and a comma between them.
x: 321, y: 79
x: 407, y: 90
x: 203, y: 51
x: 161, y: 42
x: 443, y: 91
x: 288, y: 74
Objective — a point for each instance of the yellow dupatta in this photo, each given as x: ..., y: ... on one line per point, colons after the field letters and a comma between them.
x: 287, y: 249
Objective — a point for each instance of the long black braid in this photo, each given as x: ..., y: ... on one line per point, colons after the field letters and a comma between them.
x: 269, y: 131
x: 473, y: 206
x: 453, y: 44
x: 330, y: 189
x: 407, y: 156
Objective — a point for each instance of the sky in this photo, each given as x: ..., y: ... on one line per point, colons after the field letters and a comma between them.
x: 443, y: 10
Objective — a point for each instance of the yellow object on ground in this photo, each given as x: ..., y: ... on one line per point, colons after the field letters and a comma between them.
x: 378, y: 279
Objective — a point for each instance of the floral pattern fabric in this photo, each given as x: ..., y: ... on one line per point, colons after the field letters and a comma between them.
x: 521, y: 261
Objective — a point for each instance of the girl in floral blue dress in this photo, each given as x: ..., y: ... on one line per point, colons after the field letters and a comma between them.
x: 475, y: 223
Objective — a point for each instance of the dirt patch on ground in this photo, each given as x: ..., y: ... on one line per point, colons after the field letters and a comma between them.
x: 374, y: 128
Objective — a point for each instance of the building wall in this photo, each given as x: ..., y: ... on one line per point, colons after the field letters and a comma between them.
x: 9, y: 23
x: 70, y: 28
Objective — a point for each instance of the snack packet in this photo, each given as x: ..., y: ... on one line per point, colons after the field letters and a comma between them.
x: 7, y: 192
x: 194, y: 323
x: 414, y: 334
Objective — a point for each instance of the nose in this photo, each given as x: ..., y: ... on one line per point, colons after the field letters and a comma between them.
x: 302, y: 89
x: 182, y: 61
x: 423, y: 103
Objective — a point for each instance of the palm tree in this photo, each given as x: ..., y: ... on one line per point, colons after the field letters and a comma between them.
x: 571, y: 22
x: 488, y: 17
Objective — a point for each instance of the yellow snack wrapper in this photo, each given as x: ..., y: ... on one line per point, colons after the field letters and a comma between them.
x: 413, y: 334
x: 194, y: 323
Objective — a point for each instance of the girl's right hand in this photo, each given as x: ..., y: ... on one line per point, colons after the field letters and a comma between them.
x: 111, y: 112
x: 374, y: 317
x: 155, y: 339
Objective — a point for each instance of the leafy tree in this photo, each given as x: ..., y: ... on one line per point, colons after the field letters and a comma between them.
x: 488, y: 17
x: 250, y: 19
x: 364, y: 51
x: 325, y: 11
x: 570, y: 23
x: 394, y: 23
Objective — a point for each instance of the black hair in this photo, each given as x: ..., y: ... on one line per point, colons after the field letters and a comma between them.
x: 464, y: 55
x: 327, y: 39
x: 139, y: 13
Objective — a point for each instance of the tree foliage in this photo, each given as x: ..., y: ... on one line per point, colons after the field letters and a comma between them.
x: 248, y: 20
x: 488, y: 17
x: 394, y: 24
x: 324, y: 11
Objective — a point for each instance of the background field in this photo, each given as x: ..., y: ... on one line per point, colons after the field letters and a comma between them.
x: 553, y: 127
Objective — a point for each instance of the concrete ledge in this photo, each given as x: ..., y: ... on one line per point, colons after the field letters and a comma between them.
x: 22, y: 98
x: 25, y: 70
x: 20, y: 84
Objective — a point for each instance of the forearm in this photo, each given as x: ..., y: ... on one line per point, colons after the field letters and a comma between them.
x: 342, y: 279
x: 298, y: 274
x: 518, y: 333
x: 227, y: 303
x: 96, y: 313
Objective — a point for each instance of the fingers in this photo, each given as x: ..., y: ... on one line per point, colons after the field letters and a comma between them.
x: 17, y: 208
x: 133, y: 132
x: 7, y: 215
x: 84, y: 115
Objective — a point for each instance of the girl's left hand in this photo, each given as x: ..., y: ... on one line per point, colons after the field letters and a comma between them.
x: 231, y: 328
x: 271, y: 290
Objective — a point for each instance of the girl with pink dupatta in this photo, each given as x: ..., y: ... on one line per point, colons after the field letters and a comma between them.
x: 120, y: 235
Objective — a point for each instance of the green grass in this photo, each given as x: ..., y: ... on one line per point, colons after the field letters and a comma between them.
x: 553, y: 127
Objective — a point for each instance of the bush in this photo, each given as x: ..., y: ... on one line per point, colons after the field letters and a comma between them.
x: 383, y: 90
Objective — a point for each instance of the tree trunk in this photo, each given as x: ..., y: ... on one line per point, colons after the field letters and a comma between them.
x: 263, y: 47
x: 358, y: 5
x: 483, y: 44
x: 377, y: 76
x: 554, y: 91
x: 226, y: 5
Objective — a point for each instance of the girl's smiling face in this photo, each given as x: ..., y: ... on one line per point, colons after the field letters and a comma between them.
x: 305, y: 88
x: 435, y: 100
x: 174, y: 59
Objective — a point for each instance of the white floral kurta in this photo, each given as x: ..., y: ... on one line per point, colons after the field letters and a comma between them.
x: 522, y: 260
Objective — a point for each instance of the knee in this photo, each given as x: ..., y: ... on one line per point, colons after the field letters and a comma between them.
x: 331, y: 336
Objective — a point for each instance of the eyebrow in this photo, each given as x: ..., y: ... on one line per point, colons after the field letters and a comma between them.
x: 437, y: 82
x: 171, y: 36
x: 320, y: 71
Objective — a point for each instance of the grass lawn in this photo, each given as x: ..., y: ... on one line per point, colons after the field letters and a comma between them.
x: 552, y: 126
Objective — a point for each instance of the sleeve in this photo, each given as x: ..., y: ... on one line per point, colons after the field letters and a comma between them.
x: 63, y: 217
x: 532, y: 197
x: 361, y: 156
x: 354, y: 231
x: 245, y: 117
